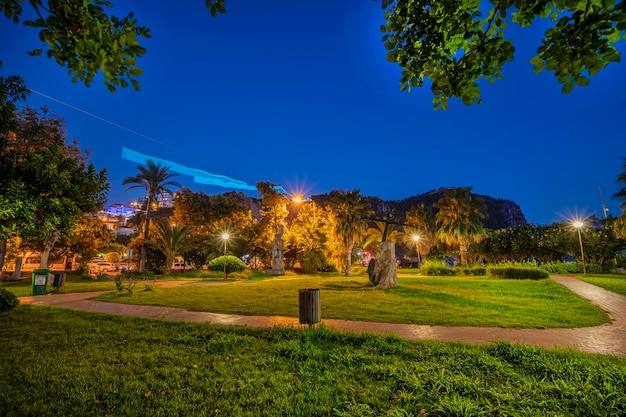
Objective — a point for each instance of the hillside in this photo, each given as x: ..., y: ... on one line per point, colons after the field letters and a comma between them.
x: 500, y: 213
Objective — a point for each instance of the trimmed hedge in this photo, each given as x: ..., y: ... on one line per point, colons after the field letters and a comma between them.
x: 511, y: 272
x: 233, y: 264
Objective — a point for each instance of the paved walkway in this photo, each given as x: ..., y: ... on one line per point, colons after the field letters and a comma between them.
x: 609, y: 338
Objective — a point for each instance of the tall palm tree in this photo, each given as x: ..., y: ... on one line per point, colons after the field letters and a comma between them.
x: 620, y: 223
x: 171, y: 240
x: 458, y: 219
x: 155, y: 180
x: 349, y: 208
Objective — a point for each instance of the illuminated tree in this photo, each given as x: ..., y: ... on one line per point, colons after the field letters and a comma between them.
x: 171, y: 240
x: 156, y: 181
x: 458, y: 219
x: 51, y: 176
x: 349, y: 208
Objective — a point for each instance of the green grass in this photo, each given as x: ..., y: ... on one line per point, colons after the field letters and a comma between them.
x: 615, y: 283
x: 59, y: 362
x: 451, y: 301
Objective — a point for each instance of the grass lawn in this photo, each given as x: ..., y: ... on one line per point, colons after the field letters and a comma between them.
x: 615, y: 283
x: 452, y: 301
x: 58, y: 362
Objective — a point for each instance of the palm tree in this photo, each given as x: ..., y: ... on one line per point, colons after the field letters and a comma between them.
x: 458, y: 219
x: 375, y: 233
x: 349, y: 208
x: 171, y: 240
x: 155, y: 180
x: 619, y: 226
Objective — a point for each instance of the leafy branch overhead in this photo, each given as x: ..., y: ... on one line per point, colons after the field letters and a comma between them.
x: 80, y: 35
x: 456, y: 43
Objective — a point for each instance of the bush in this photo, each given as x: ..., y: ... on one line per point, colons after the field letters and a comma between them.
x: 437, y: 268
x: 8, y: 300
x: 233, y: 264
x: 475, y: 271
x: 511, y: 272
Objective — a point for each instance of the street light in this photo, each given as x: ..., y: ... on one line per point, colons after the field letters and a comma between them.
x: 416, y: 239
x: 225, y: 236
x: 578, y: 224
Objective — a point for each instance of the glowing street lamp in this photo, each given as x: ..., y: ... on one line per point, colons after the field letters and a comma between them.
x: 225, y: 236
x: 416, y: 239
x: 578, y: 225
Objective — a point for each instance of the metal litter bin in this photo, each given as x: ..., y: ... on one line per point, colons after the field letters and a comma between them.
x: 310, y: 306
x: 39, y: 282
x: 59, y: 279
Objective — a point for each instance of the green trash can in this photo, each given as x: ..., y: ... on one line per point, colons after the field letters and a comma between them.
x: 39, y: 282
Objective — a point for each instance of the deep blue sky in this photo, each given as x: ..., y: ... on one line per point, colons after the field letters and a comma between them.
x: 299, y: 93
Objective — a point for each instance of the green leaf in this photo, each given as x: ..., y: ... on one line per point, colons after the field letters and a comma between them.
x: 136, y: 71
x: 35, y: 52
x: 568, y: 87
x: 583, y: 81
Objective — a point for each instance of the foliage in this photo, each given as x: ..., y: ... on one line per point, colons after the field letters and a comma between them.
x: 156, y: 180
x: 458, y: 219
x: 85, y: 238
x: 81, y: 36
x: 518, y: 273
x: 171, y: 241
x: 438, y: 268
x: 620, y: 223
x: 454, y: 45
x: 233, y: 264
x: 8, y: 300
x: 349, y: 208
x: 50, y: 176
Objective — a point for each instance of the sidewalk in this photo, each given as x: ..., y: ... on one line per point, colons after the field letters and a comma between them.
x: 605, y: 339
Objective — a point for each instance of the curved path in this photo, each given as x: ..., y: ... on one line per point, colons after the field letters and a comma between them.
x: 608, y: 338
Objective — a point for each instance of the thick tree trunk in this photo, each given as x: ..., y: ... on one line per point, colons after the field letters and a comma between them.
x: 385, y: 275
x: 349, y: 247
x: 463, y: 251
x: 18, y: 269
x: 146, y: 230
x: 45, y: 254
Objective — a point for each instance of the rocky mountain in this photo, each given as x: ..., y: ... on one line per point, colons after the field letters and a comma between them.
x: 500, y: 213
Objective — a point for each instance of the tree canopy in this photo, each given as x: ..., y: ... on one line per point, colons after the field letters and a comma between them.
x: 82, y: 36
x: 457, y: 43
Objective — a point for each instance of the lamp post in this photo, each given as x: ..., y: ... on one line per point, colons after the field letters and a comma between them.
x: 225, y: 236
x: 578, y: 224
x: 416, y: 239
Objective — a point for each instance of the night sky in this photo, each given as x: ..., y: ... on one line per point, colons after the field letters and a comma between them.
x: 299, y: 93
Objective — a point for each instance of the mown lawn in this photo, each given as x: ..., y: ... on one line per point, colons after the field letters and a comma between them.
x: 615, y: 283
x: 452, y: 301
x: 58, y: 362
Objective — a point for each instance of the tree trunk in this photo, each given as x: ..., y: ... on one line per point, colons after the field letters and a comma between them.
x: 45, y: 254
x: 463, y: 251
x: 385, y: 275
x: 146, y: 230
x: 278, y: 264
x: 3, y: 251
x: 18, y: 269
x: 349, y: 247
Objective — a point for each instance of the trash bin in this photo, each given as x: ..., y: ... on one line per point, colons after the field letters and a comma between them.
x: 59, y: 279
x: 310, y: 306
x: 39, y: 281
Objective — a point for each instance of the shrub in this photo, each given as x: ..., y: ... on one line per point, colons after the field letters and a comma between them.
x: 233, y: 264
x: 511, y: 272
x: 475, y: 271
x: 437, y: 268
x: 8, y: 300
